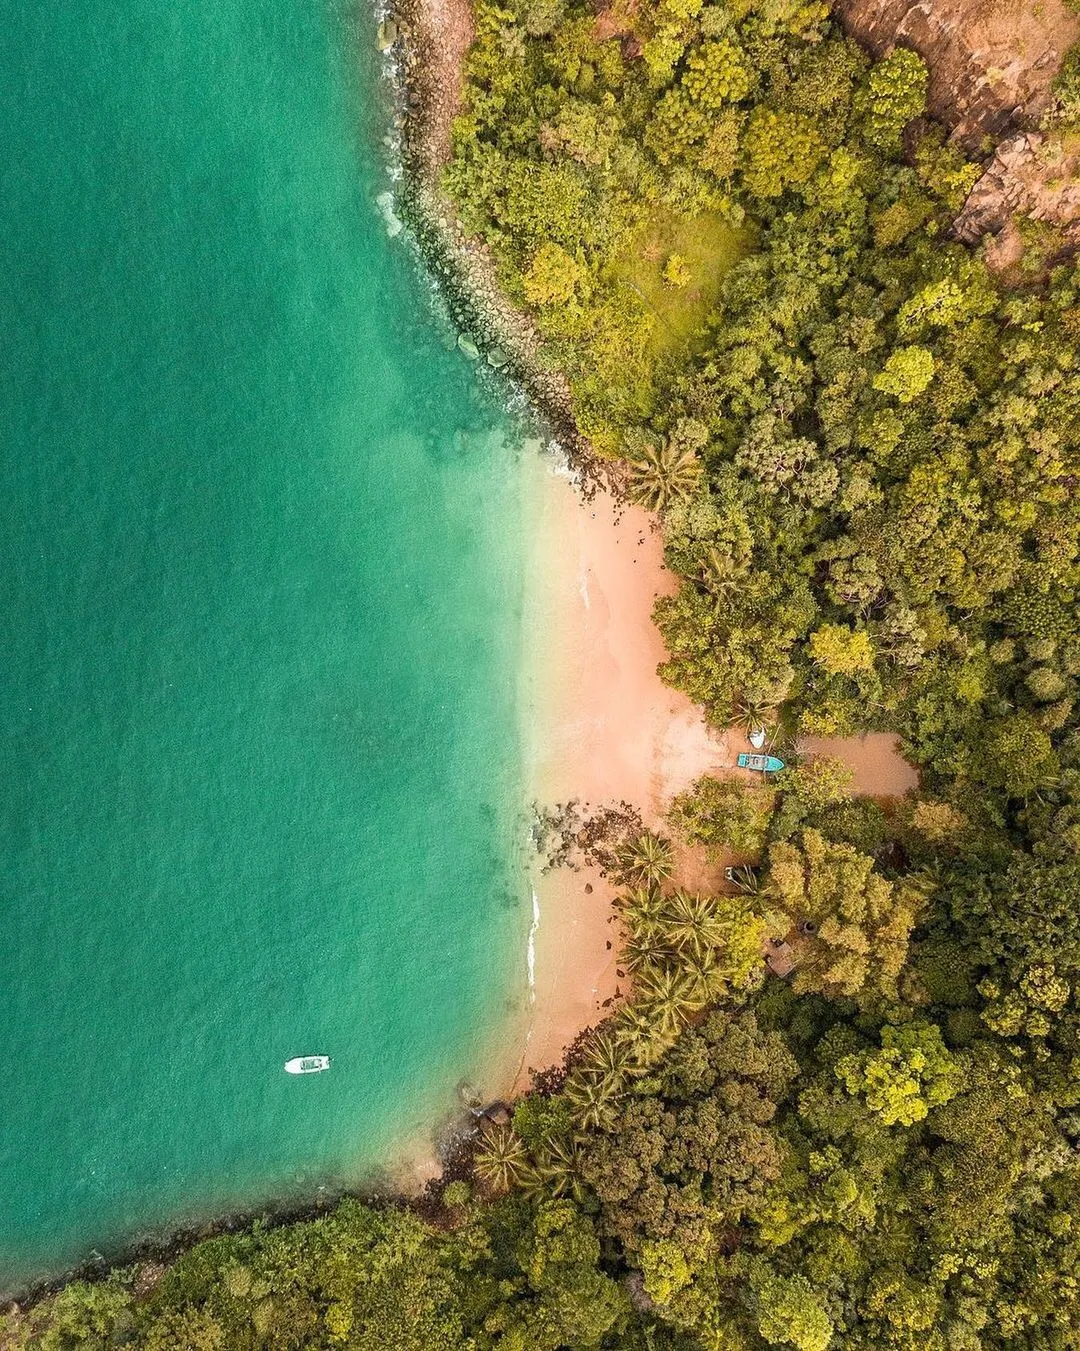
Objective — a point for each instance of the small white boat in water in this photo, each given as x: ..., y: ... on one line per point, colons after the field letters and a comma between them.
x: 307, y: 1064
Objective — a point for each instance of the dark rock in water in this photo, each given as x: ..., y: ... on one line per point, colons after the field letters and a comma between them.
x: 468, y: 347
x: 498, y: 1113
x: 388, y: 34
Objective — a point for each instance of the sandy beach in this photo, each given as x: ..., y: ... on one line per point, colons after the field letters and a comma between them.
x: 602, y: 727
x: 605, y: 730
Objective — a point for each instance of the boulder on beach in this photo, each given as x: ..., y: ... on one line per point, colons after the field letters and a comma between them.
x: 467, y: 346
x: 387, y: 35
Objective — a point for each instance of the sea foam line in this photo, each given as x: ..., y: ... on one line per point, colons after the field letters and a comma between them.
x: 531, y: 954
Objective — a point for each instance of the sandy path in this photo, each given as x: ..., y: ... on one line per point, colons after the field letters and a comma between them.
x: 880, y: 770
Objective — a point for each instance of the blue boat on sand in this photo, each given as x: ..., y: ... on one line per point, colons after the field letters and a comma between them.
x: 767, y: 764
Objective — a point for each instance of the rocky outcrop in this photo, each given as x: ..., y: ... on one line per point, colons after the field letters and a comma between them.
x: 991, y: 62
x: 1029, y: 175
x: 432, y: 38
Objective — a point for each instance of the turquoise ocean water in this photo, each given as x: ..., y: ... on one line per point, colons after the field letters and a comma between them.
x: 261, y: 614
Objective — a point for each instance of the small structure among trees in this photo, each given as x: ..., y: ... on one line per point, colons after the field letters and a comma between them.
x: 780, y: 957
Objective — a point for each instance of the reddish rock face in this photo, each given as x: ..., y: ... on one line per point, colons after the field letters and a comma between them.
x: 991, y: 66
x: 1029, y: 175
x: 991, y: 61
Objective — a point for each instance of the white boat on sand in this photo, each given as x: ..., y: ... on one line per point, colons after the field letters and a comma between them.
x: 307, y: 1064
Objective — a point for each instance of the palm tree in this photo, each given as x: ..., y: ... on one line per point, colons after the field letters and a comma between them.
x: 607, y: 1056
x: 719, y: 571
x: 744, y: 878
x: 709, y: 980
x: 754, y: 710
x: 637, y: 1031
x: 668, y: 997
x: 593, y: 1098
x: 659, y: 474
x: 501, y: 1162
x: 692, y: 924
x: 640, y: 906
x: 643, y: 948
x: 645, y: 861
x: 557, y: 1169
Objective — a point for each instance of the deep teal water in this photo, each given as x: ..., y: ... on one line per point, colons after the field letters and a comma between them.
x: 261, y: 603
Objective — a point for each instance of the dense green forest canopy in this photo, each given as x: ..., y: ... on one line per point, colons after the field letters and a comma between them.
x: 732, y: 231
x: 863, y: 446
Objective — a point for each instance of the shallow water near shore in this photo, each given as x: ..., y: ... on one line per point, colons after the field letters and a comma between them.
x: 263, y: 575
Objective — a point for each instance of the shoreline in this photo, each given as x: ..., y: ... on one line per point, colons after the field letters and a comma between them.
x: 430, y: 39
x: 605, y: 729
x: 402, y: 1181
x: 464, y: 281
x: 610, y: 732
x: 426, y: 47
x: 606, y: 733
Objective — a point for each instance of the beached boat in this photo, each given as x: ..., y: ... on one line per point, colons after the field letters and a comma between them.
x: 767, y: 764
x: 307, y: 1064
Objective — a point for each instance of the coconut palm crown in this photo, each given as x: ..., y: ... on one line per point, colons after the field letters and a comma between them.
x: 645, y: 861
x: 661, y: 473
x: 502, y: 1160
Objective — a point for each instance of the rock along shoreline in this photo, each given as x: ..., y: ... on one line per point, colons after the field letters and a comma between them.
x: 145, y: 1257
x: 426, y: 42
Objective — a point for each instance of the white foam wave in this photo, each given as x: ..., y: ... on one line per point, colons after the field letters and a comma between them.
x: 531, y: 954
x: 394, y: 224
